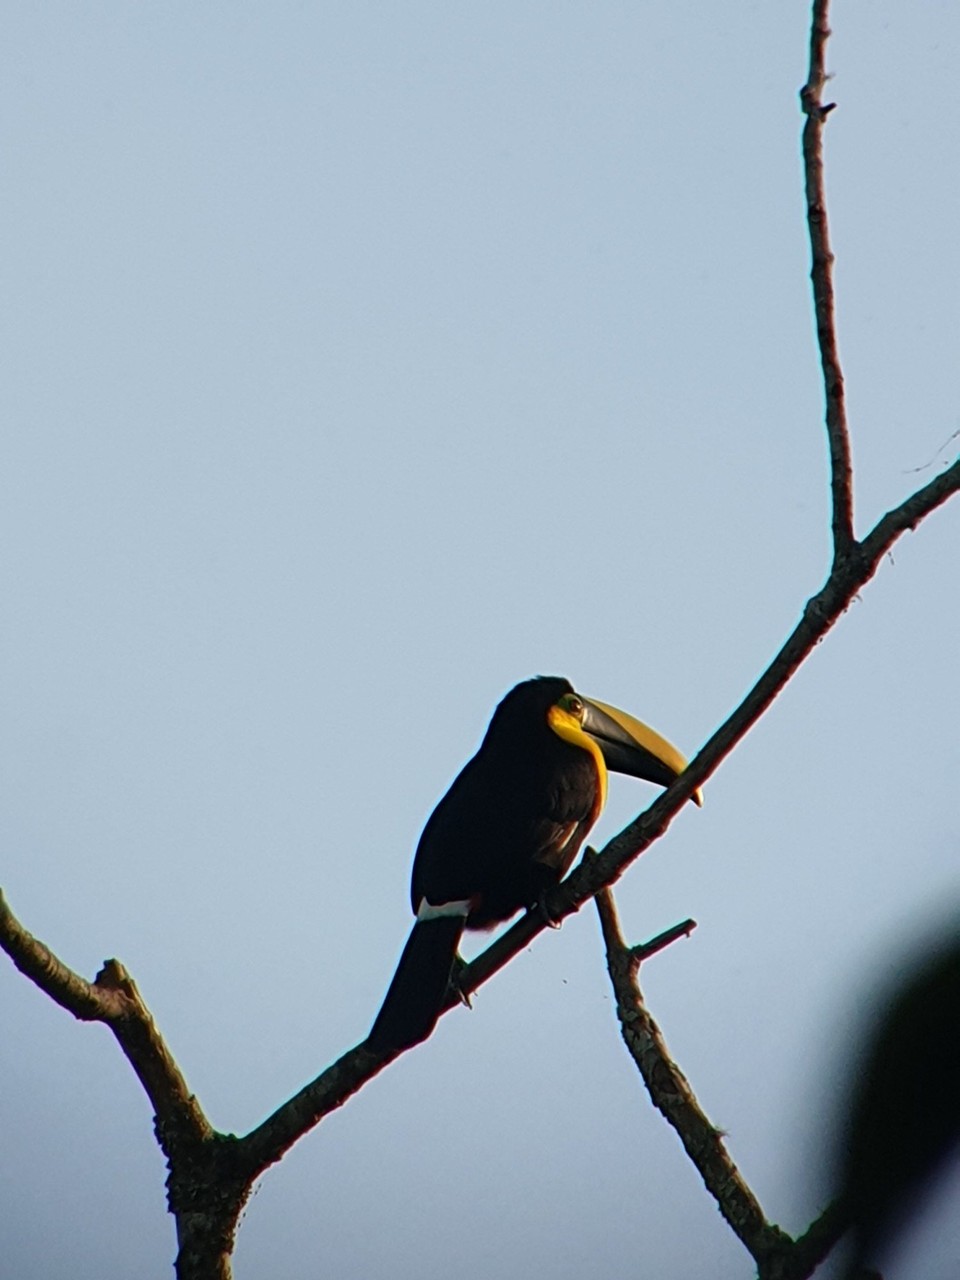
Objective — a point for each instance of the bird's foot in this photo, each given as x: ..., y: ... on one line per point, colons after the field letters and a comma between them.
x: 459, y: 964
x: 543, y: 912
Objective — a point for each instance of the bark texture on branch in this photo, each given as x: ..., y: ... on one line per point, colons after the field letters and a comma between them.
x: 821, y: 278
x: 211, y: 1174
x: 778, y: 1257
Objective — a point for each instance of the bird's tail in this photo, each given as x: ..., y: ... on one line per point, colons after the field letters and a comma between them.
x: 418, y: 991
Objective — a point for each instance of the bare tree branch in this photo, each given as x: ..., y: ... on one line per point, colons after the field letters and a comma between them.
x: 267, y: 1143
x: 75, y: 994
x: 112, y: 998
x: 908, y: 515
x: 777, y: 1256
x: 211, y: 1173
x: 821, y: 275
x: 646, y: 950
x: 812, y: 1247
x: 671, y: 1093
x: 597, y: 871
x: 205, y: 1194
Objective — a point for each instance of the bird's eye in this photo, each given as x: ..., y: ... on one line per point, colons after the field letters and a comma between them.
x: 570, y: 702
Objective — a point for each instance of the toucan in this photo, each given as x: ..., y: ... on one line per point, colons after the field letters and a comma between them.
x: 508, y: 830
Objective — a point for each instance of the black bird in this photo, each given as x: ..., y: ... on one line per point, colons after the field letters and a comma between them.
x: 509, y: 829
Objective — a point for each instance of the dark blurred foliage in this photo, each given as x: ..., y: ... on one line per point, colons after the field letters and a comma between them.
x: 904, y: 1111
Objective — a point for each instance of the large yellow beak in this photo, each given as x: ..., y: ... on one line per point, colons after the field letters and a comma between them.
x: 631, y: 747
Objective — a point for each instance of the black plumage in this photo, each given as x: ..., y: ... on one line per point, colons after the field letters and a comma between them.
x: 507, y: 830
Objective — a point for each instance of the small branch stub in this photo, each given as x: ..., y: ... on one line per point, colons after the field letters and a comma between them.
x: 644, y: 950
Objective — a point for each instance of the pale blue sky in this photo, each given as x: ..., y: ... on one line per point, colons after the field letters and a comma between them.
x: 360, y: 361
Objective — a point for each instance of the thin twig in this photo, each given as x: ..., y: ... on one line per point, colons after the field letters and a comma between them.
x: 821, y: 275
x: 644, y: 950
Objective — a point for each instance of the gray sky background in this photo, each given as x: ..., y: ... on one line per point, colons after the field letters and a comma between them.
x: 360, y: 361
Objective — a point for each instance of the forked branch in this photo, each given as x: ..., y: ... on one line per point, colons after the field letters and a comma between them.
x: 211, y: 1173
x: 778, y: 1257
